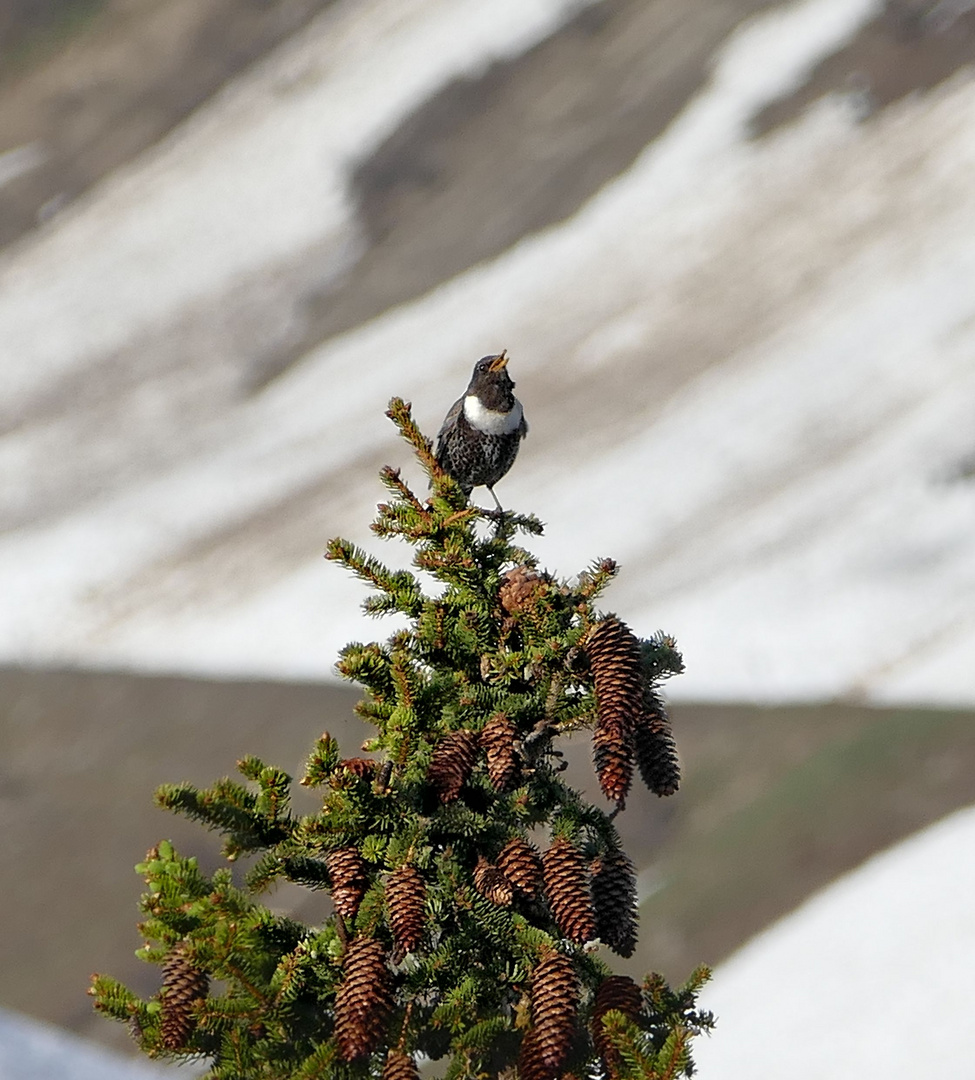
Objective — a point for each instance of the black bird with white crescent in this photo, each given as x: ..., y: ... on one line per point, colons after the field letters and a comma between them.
x: 479, y: 438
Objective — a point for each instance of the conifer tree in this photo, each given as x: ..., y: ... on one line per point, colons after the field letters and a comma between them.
x: 453, y: 937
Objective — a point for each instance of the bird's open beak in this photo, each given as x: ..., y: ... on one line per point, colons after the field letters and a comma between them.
x: 500, y: 362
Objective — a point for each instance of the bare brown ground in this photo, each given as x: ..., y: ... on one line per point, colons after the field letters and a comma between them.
x: 775, y: 803
x: 80, y: 756
x: 895, y: 55
x: 780, y: 801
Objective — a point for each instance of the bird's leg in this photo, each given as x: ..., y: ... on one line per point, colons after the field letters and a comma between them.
x: 494, y: 515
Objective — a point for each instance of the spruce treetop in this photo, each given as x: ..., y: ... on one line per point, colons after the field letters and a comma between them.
x: 452, y: 936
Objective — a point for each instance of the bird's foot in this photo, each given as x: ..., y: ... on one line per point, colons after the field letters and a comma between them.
x: 495, y: 515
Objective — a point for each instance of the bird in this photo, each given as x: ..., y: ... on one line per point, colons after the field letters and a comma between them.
x: 479, y: 438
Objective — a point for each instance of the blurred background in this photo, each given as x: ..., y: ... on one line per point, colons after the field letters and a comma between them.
x: 730, y: 246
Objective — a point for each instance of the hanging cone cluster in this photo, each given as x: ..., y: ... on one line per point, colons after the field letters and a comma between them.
x: 520, y: 588
x: 631, y: 721
x: 347, y: 869
x: 363, y: 1000
x: 615, y: 660
x: 554, y: 1006
x: 400, y: 1066
x: 492, y: 883
x: 655, y: 749
x: 617, y: 992
x: 405, y: 898
x: 615, y: 902
x: 452, y: 762
x: 182, y: 987
x: 567, y: 891
x: 498, y: 743
x: 520, y: 864
x: 617, y: 668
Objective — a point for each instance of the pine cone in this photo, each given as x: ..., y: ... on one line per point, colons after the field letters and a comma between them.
x: 364, y: 768
x: 614, y: 899
x: 491, y: 883
x: 405, y: 898
x: 520, y: 588
x: 498, y: 742
x: 182, y: 987
x: 531, y: 1066
x: 567, y: 891
x: 347, y: 869
x: 617, y: 668
x: 616, y: 663
x: 612, y: 755
x: 520, y: 864
x: 655, y: 749
x: 400, y: 1066
x: 554, y: 1005
x: 363, y: 1000
x: 617, y: 992
x: 452, y: 762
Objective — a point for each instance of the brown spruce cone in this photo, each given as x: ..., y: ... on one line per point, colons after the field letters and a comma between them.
x: 567, y: 891
x: 614, y: 898
x: 452, y: 762
x: 554, y: 1006
x: 182, y: 987
x: 528, y: 1069
x: 347, y: 869
x: 531, y: 1065
x: 364, y: 768
x: 612, y: 755
x: 363, y: 1000
x: 617, y: 668
x: 498, y: 743
x: 617, y: 992
x: 655, y: 749
x: 400, y: 1066
x: 520, y: 588
x: 492, y: 884
x: 405, y: 898
x: 520, y: 864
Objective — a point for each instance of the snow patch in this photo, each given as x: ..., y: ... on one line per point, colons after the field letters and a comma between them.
x: 834, y: 989
x: 746, y: 366
x: 33, y: 1051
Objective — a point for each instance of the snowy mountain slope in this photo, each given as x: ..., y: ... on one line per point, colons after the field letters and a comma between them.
x: 753, y: 356
x: 851, y: 971
x: 109, y: 344
x: 251, y: 177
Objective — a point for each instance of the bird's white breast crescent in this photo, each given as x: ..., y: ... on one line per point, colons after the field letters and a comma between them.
x: 489, y: 421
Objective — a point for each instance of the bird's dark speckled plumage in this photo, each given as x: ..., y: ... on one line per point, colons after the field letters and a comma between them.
x: 472, y: 456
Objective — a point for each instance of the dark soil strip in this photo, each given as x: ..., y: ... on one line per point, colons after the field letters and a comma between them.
x: 776, y: 802
x: 907, y: 50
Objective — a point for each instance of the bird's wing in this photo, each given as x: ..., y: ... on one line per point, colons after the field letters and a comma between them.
x: 449, y: 423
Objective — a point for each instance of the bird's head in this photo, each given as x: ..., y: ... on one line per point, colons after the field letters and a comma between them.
x: 491, y: 381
